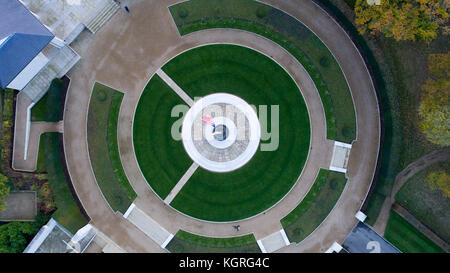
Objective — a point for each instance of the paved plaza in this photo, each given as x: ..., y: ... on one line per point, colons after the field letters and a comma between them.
x: 132, y: 47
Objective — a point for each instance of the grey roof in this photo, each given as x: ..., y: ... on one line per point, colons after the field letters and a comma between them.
x: 25, y: 37
x: 363, y: 239
x: 56, y: 241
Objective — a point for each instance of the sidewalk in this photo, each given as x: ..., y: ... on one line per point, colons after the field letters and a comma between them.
x: 19, y: 163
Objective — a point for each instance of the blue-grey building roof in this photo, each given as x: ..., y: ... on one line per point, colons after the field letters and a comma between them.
x: 25, y: 36
x: 363, y: 239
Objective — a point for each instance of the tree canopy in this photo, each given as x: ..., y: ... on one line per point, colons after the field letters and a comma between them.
x: 4, y: 191
x: 404, y: 19
x: 434, y: 110
x: 439, y: 180
x: 13, y: 236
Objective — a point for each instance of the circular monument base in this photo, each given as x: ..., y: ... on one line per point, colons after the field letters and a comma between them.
x: 221, y: 132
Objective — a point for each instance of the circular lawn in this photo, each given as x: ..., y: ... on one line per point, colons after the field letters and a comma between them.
x: 274, y: 168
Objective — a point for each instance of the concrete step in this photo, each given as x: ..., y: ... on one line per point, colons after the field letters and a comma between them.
x: 74, y: 34
x: 102, y: 16
x: 114, y: 8
x: 58, y: 66
x: 99, y: 19
x: 67, y: 59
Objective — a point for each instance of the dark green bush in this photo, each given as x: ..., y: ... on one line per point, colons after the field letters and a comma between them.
x: 101, y: 96
x: 183, y: 13
x: 324, y: 61
x: 297, y: 232
x: 261, y: 12
x: 334, y: 184
x: 346, y: 131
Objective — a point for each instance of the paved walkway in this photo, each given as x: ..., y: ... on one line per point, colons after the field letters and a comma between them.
x: 121, y: 56
x: 341, y: 153
x: 263, y: 224
x: 403, y: 177
x: 363, y: 156
x: 151, y: 228
x: 20, y: 206
x: 175, y: 87
x: 181, y: 183
x: 19, y: 162
x: 273, y: 242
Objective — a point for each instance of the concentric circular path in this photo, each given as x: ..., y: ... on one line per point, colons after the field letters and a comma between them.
x: 132, y: 47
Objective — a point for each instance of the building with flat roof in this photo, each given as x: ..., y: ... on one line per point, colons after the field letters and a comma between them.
x: 22, y: 40
x: 35, y: 38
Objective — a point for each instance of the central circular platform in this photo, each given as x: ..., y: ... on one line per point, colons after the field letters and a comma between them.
x: 221, y: 132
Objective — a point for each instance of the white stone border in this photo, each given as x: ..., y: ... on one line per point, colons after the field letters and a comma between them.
x: 334, y: 248
x: 129, y: 210
x: 261, y: 246
x: 167, y: 241
x: 285, y: 238
x: 241, y: 160
x: 27, y: 131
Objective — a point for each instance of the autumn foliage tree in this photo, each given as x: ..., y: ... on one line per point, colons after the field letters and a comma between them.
x: 439, y: 180
x: 404, y: 19
x: 434, y: 110
x: 4, y: 191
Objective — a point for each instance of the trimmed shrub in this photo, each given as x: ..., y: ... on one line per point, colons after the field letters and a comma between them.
x: 297, y: 232
x: 183, y: 13
x: 334, y: 184
x: 324, y: 62
x: 101, y: 96
x: 346, y: 131
x: 261, y: 12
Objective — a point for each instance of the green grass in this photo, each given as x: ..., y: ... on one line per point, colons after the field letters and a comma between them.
x: 67, y: 213
x: 406, y: 238
x: 162, y: 160
x: 315, y: 207
x: 103, y: 116
x: 409, y: 65
x: 429, y: 206
x: 290, y: 34
x: 39, y: 110
x: 113, y: 118
x: 269, y: 175
x: 403, y: 141
x: 185, y: 242
x: 48, y: 108
x: 40, y: 166
x: 399, y: 70
x: 389, y: 100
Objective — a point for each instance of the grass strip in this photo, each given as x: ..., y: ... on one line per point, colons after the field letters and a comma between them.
x: 406, y: 238
x: 315, y: 207
x: 185, y: 242
x: 103, y: 150
x: 67, y: 213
